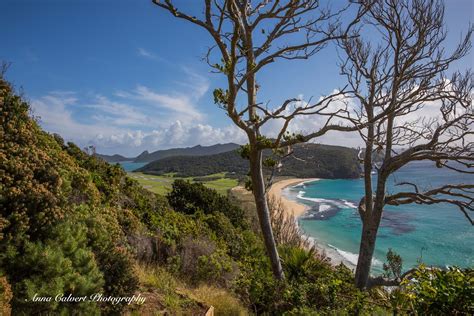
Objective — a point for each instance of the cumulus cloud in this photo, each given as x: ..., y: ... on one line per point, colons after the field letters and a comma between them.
x: 134, y: 120
x: 175, y: 135
x: 55, y: 113
x: 179, y: 103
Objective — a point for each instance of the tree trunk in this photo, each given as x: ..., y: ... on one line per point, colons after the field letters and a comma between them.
x: 366, y: 253
x: 258, y: 188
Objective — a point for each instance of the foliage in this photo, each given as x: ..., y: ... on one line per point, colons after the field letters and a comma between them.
x: 393, y: 267
x: 176, y: 152
x: 46, y: 186
x: 311, y: 284
x: 432, y: 291
x: 190, y: 198
x: 61, y: 264
x: 159, y: 287
x: 5, y: 296
x: 314, y: 161
x: 284, y: 225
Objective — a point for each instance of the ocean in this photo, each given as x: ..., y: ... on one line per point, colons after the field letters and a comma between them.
x: 130, y: 166
x: 437, y: 235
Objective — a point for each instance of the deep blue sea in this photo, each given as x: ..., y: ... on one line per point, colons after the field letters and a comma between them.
x: 130, y: 166
x: 437, y: 235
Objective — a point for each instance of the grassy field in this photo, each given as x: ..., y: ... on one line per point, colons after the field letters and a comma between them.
x: 162, y: 184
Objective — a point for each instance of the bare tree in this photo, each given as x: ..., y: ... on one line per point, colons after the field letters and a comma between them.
x: 392, y: 78
x: 249, y: 36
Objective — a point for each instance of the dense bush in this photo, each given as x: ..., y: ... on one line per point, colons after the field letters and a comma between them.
x: 440, y: 292
x: 5, y: 296
x: 314, y: 161
x: 190, y: 198
x: 46, y: 186
x: 62, y: 264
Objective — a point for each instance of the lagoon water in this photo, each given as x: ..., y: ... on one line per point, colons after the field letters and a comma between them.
x: 437, y: 235
x: 130, y: 166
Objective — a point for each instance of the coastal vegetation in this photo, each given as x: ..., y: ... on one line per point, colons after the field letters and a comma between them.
x: 392, y: 77
x: 181, y: 233
x: 72, y: 223
x: 307, y: 161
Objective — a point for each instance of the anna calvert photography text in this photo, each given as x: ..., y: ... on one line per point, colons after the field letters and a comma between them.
x: 97, y: 297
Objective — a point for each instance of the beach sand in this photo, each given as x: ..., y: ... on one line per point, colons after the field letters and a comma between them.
x: 291, y: 207
x: 297, y: 209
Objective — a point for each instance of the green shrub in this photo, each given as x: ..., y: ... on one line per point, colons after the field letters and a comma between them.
x: 190, y: 198
x: 440, y: 292
x: 62, y: 264
x: 393, y: 267
x: 202, y: 260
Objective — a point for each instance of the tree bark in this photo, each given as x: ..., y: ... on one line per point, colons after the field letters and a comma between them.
x: 258, y: 189
x: 366, y: 253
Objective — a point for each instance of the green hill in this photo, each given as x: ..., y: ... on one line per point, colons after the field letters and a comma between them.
x: 114, y: 158
x: 188, y: 151
x: 308, y: 161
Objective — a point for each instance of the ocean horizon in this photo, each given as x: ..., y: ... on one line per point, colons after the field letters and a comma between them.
x: 436, y: 235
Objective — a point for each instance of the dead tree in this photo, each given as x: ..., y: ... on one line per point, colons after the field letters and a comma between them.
x: 248, y: 36
x: 392, y: 77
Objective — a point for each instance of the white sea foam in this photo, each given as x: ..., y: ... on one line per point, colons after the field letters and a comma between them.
x: 317, y: 200
x: 340, y: 204
x: 303, y: 184
x: 324, y: 207
x: 353, y: 257
x: 350, y: 204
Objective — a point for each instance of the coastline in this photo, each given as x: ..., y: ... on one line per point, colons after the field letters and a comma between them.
x: 296, y: 209
x: 291, y: 207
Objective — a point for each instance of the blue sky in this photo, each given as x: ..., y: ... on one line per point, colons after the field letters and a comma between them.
x: 125, y: 76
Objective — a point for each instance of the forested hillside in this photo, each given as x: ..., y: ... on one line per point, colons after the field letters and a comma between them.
x: 113, y: 158
x: 189, y: 151
x: 308, y: 161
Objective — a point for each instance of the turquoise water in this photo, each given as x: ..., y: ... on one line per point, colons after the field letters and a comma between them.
x: 130, y: 166
x: 438, y: 235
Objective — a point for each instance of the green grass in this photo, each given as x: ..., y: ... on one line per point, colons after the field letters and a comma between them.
x: 162, y: 184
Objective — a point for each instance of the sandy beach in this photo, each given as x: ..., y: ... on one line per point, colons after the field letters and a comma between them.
x: 294, y: 208
x: 297, y: 209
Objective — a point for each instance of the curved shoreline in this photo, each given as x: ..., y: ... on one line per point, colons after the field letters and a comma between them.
x: 291, y: 207
x: 296, y: 209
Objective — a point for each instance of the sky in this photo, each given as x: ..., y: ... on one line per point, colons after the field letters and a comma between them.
x: 126, y: 76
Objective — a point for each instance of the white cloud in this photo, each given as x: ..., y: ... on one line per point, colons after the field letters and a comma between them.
x: 117, y: 113
x: 179, y: 103
x: 148, y: 54
x: 175, y: 135
x: 120, y: 127
x: 55, y: 115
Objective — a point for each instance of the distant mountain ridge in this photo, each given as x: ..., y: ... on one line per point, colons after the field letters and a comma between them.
x: 160, y: 154
x: 313, y: 161
x: 113, y: 158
